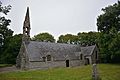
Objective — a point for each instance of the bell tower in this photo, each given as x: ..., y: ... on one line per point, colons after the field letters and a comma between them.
x: 26, y: 27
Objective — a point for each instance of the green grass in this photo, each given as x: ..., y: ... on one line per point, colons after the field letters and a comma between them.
x: 106, y: 71
x: 5, y: 65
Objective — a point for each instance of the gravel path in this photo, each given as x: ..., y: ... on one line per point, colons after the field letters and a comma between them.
x: 8, y: 69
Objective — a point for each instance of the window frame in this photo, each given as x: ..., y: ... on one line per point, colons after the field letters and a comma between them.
x: 44, y: 59
x: 48, y: 58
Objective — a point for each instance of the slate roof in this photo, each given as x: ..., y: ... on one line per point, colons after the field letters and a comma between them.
x: 37, y: 50
x: 88, y: 50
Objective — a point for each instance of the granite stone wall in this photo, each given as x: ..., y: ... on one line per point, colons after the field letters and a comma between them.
x: 53, y: 64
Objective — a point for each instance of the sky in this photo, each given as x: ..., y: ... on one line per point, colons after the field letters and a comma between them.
x: 57, y: 17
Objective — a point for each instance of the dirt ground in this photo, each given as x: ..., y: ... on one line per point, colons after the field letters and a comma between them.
x: 8, y: 69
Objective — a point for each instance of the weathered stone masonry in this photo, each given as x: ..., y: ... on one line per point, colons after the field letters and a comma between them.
x: 34, y: 55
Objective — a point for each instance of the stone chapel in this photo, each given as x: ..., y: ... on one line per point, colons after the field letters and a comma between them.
x: 42, y: 55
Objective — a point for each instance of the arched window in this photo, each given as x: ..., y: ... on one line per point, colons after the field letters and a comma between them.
x: 44, y: 59
x: 48, y: 57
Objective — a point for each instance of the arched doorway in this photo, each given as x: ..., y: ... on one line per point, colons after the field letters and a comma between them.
x: 67, y: 63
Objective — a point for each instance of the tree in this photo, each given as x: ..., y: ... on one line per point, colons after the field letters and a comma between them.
x: 110, y: 18
x: 114, y: 50
x: 109, y: 25
x: 109, y: 46
x: 104, y: 41
x: 5, y: 33
x: 87, y: 39
x: 114, y: 46
x: 44, y: 37
x: 68, y: 38
x: 13, y: 46
x: 5, y: 9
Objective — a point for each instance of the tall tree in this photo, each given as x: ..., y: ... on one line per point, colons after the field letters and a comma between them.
x: 44, y: 37
x: 109, y: 25
x: 109, y: 18
x: 5, y: 33
x: 104, y: 41
x: 109, y: 46
x: 114, y: 49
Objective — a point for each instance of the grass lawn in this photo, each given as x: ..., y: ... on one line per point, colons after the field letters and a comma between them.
x: 5, y: 65
x: 106, y: 71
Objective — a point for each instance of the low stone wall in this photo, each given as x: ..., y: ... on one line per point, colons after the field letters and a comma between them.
x: 49, y: 64
x: 75, y: 63
x: 52, y: 64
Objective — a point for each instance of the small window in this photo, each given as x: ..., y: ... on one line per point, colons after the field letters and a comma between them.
x: 81, y: 56
x: 48, y: 58
x: 44, y: 59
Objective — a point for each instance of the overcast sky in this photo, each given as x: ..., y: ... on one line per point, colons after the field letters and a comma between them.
x: 56, y: 16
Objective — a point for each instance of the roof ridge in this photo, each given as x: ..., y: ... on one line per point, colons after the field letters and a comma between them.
x: 55, y: 43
